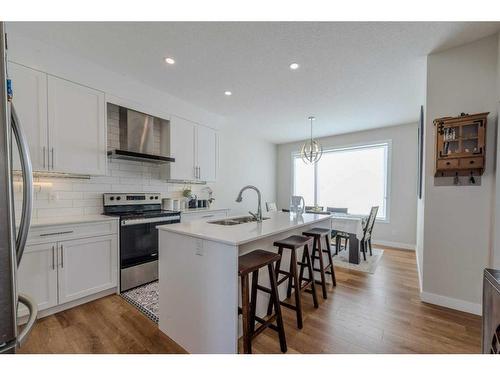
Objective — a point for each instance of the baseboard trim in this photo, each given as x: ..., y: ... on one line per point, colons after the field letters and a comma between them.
x: 452, y: 303
x: 419, y: 273
x: 397, y: 245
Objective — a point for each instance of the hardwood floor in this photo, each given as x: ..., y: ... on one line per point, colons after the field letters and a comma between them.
x: 379, y: 313
x: 107, y: 325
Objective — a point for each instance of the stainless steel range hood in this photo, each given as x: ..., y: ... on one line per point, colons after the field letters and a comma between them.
x: 137, y: 135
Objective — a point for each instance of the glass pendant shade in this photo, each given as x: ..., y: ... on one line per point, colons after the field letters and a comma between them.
x: 311, y: 150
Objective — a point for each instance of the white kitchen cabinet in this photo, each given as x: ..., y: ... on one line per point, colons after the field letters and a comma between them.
x: 37, y: 275
x: 206, y: 153
x: 194, y: 148
x: 65, y: 262
x: 30, y: 101
x: 182, y: 148
x: 77, y: 131
x: 87, y: 266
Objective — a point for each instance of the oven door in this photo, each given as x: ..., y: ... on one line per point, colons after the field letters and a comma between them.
x: 139, y: 240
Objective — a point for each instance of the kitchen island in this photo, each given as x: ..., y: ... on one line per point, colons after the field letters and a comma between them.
x: 198, y: 276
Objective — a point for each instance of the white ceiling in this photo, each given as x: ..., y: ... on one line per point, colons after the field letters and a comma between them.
x: 352, y: 76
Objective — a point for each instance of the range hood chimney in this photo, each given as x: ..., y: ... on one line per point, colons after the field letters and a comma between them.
x: 137, y: 141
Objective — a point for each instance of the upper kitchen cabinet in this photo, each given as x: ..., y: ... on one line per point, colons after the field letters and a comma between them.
x: 64, y: 122
x: 194, y: 148
x: 30, y: 101
x: 206, y: 153
x: 77, y: 131
x: 182, y: 148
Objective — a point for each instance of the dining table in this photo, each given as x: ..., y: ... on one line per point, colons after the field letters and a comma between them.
x: 348, y: 226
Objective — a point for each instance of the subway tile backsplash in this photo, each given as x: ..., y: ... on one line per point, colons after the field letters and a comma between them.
x: 74, y: 197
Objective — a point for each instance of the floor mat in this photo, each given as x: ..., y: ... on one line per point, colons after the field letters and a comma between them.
x: 368, y: 266
x: 145, y: 298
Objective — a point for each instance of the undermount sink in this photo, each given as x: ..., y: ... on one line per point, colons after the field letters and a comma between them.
x: 236, y: 220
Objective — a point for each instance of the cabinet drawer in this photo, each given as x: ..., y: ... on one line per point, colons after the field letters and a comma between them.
x: 55, y: 233
x: 447, y: 164
x: 471, y: 163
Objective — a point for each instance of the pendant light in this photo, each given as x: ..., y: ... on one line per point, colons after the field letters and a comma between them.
x: 311, y: 150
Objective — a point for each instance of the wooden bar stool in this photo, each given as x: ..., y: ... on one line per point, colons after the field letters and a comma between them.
x: 295, y: 280
x: 317, y: 253
x: 252, y: 263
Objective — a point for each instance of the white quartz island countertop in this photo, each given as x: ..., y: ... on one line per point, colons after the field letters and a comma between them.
x: 240, y: 234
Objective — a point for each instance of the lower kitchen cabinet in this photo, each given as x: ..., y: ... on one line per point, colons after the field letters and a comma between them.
x: 67, y: 267
x: 37, y: 276
x: 87, y: 266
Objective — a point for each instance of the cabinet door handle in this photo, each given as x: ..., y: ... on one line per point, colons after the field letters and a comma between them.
x: 53, y: 257
x: 472, y: 161
x: 206, y: 216
x: 52, y: 152
x: 44, y: 157
x: 448, y: 163
x: 62, y: 257
x: 55, y: 233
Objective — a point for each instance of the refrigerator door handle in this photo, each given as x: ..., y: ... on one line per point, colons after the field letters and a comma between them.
x: 33, y: 309
x: 27, y: 172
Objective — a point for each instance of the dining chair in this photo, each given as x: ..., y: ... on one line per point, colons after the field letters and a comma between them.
x: 366, y: 241
x: 271, y: 207
x: 339, y: 237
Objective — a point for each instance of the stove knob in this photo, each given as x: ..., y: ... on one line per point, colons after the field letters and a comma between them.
x: 151, y: 197
x: 111, y: 198
x: 156, y: 197
x: 118, y: 198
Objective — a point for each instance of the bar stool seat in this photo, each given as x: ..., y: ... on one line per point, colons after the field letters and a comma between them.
x: 255, y: 260
x: 293, y: 242
x: 317, y: 254
x: 316, y: 232
x: 252, y: 263
x: 295, y: 280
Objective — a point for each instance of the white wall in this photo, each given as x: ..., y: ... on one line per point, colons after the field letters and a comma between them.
x: 495, y: 255
x: 458, y: 220
x: 400, y: 231
x: 245, y: 162
x: 243, y: 158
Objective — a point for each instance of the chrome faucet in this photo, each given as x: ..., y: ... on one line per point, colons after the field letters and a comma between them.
x: 258, y: 215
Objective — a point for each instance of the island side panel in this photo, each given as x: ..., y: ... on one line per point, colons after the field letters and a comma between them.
x: 198, y: 292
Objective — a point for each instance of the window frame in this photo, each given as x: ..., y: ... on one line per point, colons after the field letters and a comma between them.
x: 361, y: 145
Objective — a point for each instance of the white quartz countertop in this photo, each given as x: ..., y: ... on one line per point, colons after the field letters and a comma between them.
x: 63, y: 220
x: 243, y: 233
x: 202, y: 209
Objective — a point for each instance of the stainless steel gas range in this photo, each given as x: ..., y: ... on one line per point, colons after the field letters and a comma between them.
x: 140, y: 214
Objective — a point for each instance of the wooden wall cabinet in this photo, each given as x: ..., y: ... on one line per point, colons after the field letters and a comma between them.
x: 460, y: 145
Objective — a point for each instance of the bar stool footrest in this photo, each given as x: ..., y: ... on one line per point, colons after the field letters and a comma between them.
x: 263, y: 289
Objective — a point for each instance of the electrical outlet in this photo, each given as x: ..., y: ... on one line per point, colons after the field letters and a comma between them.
x: 199, y: 248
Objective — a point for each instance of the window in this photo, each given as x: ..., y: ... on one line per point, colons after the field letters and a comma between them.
x: 355, y: 178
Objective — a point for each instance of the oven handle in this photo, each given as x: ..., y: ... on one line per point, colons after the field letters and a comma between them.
x: 163, y: 220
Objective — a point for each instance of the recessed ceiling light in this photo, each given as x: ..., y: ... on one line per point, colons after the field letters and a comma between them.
x: 228, y: 93
x: 294, y: 66
x: 169, y: 60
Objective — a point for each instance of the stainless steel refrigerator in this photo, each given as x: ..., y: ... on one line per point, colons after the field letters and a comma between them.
x: 12, y: 237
